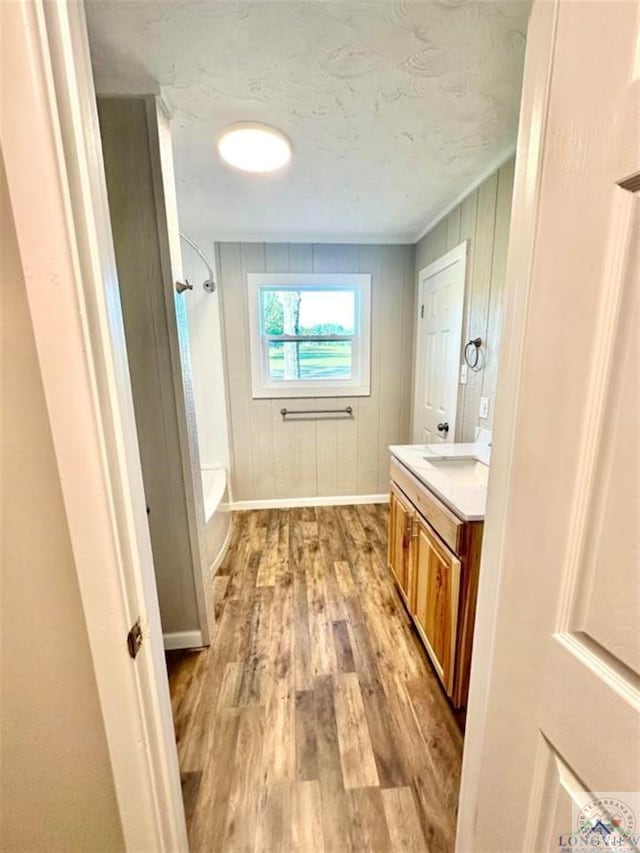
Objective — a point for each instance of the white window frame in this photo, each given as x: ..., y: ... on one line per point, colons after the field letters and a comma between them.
x: 359, y: 385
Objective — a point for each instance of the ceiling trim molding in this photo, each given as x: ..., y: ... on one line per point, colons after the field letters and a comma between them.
x: 284, y: 237
x: 495, y: 164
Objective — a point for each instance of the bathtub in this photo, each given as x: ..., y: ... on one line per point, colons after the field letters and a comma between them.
x: 216, y: 529
x: 214, y: 484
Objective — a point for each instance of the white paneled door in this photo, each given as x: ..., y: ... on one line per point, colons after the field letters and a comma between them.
x: 560, y: 754
x: 439, y: 333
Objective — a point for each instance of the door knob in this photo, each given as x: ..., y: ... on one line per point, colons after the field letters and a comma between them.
x: 443, y: 427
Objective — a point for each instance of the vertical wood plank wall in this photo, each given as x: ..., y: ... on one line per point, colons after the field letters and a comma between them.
x: 482, y: 218
x: 273, y: 459
x: 132, y: 204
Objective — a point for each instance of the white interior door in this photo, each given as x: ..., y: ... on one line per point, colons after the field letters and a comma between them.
x: 558, y: 762
x: 439, y: 335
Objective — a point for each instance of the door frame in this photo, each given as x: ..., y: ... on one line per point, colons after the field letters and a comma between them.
x: 53, y: 158
x: 456, y: 255
x: 71, y: 285
x: 541, y: 38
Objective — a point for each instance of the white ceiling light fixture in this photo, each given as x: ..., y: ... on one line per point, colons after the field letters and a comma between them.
x: 254, y: 147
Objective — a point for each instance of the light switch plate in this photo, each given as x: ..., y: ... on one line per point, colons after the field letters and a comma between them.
x: 484, y: 407
x: 463, y: 374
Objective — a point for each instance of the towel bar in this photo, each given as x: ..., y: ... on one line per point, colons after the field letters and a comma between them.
x: 346, y: 411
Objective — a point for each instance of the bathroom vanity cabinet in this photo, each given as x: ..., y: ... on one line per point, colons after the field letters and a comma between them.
x: 434, y: 556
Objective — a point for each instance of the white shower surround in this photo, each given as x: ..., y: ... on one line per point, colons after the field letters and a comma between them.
x: 205, y: 343
x: 392, y: 108
x: 209, y: 393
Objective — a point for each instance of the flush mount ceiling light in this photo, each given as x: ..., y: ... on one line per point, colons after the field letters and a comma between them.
x: 254, y: 147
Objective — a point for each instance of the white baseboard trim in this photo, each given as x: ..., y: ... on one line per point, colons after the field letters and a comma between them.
x: 213, y: 568
x: 183, y: 640
x: 292, y: 503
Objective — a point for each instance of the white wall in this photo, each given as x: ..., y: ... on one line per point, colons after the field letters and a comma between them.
x: 483, y: 218
x: 205, y: 343
x: 276, y: 459
x: 56, y: 786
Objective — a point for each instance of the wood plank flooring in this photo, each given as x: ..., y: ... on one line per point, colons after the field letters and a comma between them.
x: 314, y: 722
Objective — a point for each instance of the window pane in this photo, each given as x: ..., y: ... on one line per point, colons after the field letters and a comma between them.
x: 309, y: 360
x: 287, y: 311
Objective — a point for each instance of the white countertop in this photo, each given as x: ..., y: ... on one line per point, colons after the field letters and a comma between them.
x: 463, y: 489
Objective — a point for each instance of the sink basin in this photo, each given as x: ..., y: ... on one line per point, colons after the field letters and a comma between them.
x: 461, y: 469
x: 456, y: 473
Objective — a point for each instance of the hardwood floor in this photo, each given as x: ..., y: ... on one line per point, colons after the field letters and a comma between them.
x: 314, y: 721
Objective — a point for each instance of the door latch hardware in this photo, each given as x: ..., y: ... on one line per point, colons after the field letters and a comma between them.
x: 444, y: 427
x: 134, y: 639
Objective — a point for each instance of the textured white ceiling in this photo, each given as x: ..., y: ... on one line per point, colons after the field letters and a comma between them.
x: 392, y: 108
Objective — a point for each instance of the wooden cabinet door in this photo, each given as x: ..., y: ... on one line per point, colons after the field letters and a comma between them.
x: 437, y: 594
x: 400, y: 525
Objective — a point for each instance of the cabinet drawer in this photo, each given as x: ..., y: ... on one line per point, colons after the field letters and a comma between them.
x: 448, y: 526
